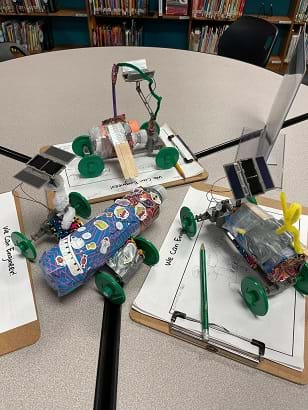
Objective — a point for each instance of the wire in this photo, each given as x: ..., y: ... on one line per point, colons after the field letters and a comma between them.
x: 30, y: 198
x: 212, y: 191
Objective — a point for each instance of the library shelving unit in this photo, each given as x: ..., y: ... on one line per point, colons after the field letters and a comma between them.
x: 82, y: 23
x: 67, y: 27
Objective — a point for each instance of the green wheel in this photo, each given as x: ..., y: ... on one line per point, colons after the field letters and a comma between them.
x: 188, y: 222
x: 80, y: 204
x: 145, y: 125
x: 91, y: 166
x: 301, y: 284
x: 24, y: 244
x: 167, y: 157
x: 109, y: 287
x: 151, y: 254
x: 79, y: 143
x: 255, y: 296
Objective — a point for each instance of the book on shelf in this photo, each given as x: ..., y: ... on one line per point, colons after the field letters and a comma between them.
x: 119, y: 7
x: 28, y: 6
x: 34, y: 36
x: 206, y: 40
x: 176, y: 7
x: 218, y: 9
x: 302, y: 12
x: 117, y: 35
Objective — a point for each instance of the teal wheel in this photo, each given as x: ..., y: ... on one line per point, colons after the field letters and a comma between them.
x: 109, y: 287
x: 145, y: 125
x: 167, y: 157
x: 255, y: 296
x: 151, y: 254
x: 301, y: 284
x: 80, y: 204
x: 188, y: 222
x: 91, y: 166
x: 81, y: 142
x: 24, y: 244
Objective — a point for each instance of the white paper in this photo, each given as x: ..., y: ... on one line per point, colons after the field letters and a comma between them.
x: 176, y: 279
x: 111, y: 181
x: 16, y: 299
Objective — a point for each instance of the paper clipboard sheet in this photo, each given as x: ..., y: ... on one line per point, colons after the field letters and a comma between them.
x: 111, y: 181
x: 176, y: 279
x: 17, y: 305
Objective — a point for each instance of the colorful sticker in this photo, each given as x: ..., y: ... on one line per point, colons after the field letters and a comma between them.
x: 60, y: 261
x: 122, y: 202
x: 91, y: 246
x: 86, y: 235
x: 77, y: 243
x: 140, y: 212
x: 105, y: 244
x: 109, y: 214
x: 156, y: 198
x: 81, y: 229
x: 101, y: 225
x: 121, y: 212
x: 83, y: 261
x: 119, y: 226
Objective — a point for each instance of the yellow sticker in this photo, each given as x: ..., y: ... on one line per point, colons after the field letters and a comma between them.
x: 91, y: 246
x: 101, y: 225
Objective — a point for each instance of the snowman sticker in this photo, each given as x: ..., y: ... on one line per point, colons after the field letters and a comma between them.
x: 105, y: 245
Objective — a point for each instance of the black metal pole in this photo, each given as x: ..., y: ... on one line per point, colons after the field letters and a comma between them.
x: 14, y: 155
x: 108, y: 360
x: 236, y: 141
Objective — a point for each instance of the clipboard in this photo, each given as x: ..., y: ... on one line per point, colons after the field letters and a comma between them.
x: 201, y: 177
x: 29, y: 333
x: 265, y: 364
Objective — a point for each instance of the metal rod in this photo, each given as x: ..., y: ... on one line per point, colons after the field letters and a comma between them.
x: 14, y: 155
x: 236, y: 141
x: 108, y: 360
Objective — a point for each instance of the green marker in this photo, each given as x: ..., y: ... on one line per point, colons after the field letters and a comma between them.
x: 204, y: 303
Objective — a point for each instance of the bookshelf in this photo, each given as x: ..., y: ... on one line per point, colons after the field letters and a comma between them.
x: 82, y: 23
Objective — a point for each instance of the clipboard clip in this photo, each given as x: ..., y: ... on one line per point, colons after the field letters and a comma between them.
x: 183, y: 148
x: 213, y: 344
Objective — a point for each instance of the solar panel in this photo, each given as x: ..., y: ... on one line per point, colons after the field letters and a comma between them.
x: 28, y: 176
x: 249, y: 177
x: 59, y: 154
x: 42, y: 167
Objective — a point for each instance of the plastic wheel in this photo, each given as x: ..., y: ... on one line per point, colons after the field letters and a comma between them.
x: 80, y: 204
x: 188, y: 222
x: 110, y: 288
x: 24, y: 244
x: 151, y: 254
x: 145, y: 125
x: 167, y: 157
x: 91, y: 166
x: 79, y: 143
x: 301, y: 284
x: 255, y: 296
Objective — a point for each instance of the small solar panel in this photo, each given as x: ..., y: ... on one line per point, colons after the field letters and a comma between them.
x: 59, y: 154
x: 266, y: 176
x: 27, y: 175
x: 234, y: 181
x: 249, y: 168
x: 52, y: 168
x: 255, y: 185
x: 38, y: 162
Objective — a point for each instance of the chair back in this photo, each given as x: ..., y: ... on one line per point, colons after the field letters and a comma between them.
x: 249, y: 39
x: 7, y: 51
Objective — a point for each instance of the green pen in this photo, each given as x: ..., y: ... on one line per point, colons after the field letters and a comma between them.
x: 204, y: 302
